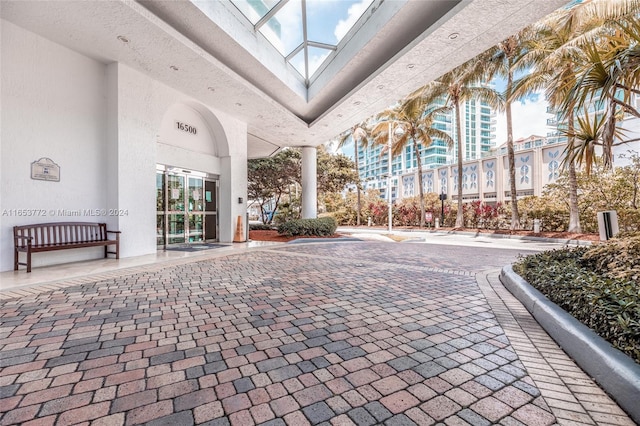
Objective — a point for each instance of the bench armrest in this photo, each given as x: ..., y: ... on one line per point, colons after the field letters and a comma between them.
x: 114, y: 232
x: 23, y: 237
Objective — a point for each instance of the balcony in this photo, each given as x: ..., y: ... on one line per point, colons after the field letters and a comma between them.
x: 552, y: 122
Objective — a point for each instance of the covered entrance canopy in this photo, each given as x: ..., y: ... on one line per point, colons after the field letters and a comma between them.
x: 214, y: 52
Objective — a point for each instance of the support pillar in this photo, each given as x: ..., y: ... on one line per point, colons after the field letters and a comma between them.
x: 309, y: 183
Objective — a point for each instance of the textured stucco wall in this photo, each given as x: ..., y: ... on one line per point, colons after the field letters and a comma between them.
x: 101, y: 124
x: 53, y: 105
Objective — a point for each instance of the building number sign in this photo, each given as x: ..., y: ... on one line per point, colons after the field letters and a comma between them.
x: 186, y: 128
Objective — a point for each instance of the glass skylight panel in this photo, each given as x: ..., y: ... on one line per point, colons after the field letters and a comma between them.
x: 254, y: 10
x: 284, y: 29
x: 321, y: 20
x: 297, y: 61
x: 296, y: 27
x: 328, y: 21
x: 316, y: 57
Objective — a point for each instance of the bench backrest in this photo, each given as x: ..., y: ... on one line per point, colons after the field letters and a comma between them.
x: 60, y: 233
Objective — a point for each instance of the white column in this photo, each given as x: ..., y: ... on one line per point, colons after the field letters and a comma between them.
x: 131, y: 154
x: 309, y: 183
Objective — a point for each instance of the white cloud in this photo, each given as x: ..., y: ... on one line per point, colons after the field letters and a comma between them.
x: 290, y: 20
x: 529, y: 118
x: 316, y: 60
x: 355, y: 12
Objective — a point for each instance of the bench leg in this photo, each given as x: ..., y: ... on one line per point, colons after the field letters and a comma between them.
x: 28, y: 261
x: 105, y: 251
x: 15, y: 260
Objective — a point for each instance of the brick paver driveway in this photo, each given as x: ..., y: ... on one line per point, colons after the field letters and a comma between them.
x: 336, y: 333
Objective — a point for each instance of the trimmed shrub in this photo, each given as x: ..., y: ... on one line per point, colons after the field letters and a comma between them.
x: 571, y: 278
x: 629, y: 219
x: 321, y: 227
x: 346, y: 217
x: 619, y: 258
x: 260, y: 227
x: 553, y: 214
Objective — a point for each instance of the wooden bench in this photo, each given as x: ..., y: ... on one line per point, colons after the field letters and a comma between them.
x: 60, y: 236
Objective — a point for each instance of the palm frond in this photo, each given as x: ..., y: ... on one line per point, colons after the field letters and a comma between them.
x: 584, y: 137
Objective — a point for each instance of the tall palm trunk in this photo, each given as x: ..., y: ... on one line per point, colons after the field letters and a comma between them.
x: 574, y: 213
x: 420, y: 190
x: 460, y: 214
x: 358, y: 205
x: 515, y: 214
x: 609, y: 134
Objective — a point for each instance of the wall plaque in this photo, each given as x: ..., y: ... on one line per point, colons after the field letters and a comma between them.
x: 45, y: 169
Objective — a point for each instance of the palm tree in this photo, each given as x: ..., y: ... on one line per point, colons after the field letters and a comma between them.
x: 358, y: 134
x: 554, y: 59
x: 557, y: 53
x: 587, y: 133
x: 504, y: 60
x: 610, y: 74
x: 415, y: 118
x: 459, y: 85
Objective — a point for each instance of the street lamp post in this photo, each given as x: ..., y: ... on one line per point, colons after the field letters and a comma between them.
x: 390, y: 213
x: 443, y: 196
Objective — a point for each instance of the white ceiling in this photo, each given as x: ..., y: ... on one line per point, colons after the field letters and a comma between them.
x: 401, y: 46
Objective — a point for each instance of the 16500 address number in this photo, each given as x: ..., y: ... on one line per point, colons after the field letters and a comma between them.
x: 186, y: 128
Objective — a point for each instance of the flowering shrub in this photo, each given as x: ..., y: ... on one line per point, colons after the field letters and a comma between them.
x: 478, y: 214
x: 377, y: 211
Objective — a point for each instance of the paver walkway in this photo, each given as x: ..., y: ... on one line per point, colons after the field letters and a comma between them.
x: 335, y: 333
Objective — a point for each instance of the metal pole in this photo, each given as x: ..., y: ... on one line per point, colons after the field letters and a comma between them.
x: 442, y: 211
x: 389, y: 181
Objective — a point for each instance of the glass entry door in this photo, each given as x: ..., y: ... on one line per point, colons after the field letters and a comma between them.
x: 186, y: 207
x: 175, y: 209
x: 195, y: 210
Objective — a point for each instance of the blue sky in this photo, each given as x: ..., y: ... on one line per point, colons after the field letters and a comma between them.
x: 529, y: 116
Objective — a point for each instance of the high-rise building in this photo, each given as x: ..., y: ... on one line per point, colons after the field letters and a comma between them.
x: 478, y: 126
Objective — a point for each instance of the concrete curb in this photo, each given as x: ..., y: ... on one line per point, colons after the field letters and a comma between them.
x: 615, y: 372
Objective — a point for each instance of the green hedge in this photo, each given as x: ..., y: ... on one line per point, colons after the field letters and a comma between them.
x: 321, y: 227
x: 260, y: 227
x: 619, y: 258
x: 578, y: 280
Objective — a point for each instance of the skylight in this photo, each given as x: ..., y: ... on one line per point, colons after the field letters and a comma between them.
x: 305, y: 32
